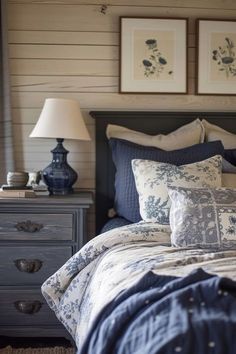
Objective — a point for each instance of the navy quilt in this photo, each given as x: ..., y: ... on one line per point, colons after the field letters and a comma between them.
x: 195, y: 314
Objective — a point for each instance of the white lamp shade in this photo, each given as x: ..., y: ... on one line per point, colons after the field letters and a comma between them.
x: 60, y: 118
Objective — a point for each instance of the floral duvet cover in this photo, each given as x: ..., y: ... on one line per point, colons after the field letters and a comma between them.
x: 116, y: 260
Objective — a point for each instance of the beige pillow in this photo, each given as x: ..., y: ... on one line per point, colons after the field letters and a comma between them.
x: 229, y: 180
x: 187, y: 135
x: 213, y: 133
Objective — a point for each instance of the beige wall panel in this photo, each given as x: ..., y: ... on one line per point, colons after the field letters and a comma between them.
x: 227, y: 4
x: 76, y: 67
x: 124, y: 101
x: 21, y: 51
x: 36, y: 51
x: 64, y: 83
x: 75, y: 18
x: 53, y: 37
x: 64, y: 67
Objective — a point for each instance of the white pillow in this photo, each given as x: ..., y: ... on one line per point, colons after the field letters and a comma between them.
x: 153, y: 178
x: 187, y: 135
x: 214, y: 132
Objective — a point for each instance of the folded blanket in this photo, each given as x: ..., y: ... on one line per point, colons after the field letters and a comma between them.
x: 165, y: 315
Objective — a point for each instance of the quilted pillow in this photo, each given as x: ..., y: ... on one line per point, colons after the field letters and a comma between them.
x: 187, y: 135
x: 203, y: 217
x: 153, y: 178
x: 126, y: 197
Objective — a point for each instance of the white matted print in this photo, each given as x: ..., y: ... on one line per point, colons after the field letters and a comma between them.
x: 153, y: 55
x: 216, y: 57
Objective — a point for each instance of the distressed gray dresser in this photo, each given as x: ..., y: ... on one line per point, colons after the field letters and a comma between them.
x: 37, y: 236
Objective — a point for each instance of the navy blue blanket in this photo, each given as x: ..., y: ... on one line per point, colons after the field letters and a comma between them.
x: 166, y: 315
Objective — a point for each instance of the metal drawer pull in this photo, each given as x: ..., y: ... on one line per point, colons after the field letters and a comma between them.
x: 28, y: 307
x: 28, y: 226
x: 28, y: 265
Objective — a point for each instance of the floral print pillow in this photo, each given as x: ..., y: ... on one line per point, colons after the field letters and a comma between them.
x: 152, y: 179
x: 203, y: 217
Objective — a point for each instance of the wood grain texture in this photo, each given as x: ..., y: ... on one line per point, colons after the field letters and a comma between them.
x: 74, y: 53
x: 51, y: 258
x: 18, y: 287
x: 57, y: 67
x: 63, y: 38
x: 49, y: 51
x: 227, y: 4
x: 54, y: 226
x: 35, y: 16
x: 152, y: 101
x: 10, y: 315
x: 64, y: 83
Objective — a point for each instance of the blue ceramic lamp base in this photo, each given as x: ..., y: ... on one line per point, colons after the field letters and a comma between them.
x: 59, y: 176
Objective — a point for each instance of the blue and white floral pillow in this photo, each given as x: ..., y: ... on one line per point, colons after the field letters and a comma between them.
x: 153, y: 178
x: 203, y: 217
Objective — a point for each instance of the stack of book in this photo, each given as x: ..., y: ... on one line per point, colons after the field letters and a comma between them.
x: 7, y: 191
x: 40, y: 189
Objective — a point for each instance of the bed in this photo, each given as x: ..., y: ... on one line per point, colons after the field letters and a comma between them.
x: 146, y: 287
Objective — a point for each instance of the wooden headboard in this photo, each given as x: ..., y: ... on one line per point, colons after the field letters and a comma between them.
x: 149, y: 122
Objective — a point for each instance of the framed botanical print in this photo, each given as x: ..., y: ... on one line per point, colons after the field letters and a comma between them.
x: 153, y: 55
x: 216, y: 57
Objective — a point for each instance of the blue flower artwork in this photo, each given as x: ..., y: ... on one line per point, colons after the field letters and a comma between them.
x: 224, y: 56
x: 156, y: 62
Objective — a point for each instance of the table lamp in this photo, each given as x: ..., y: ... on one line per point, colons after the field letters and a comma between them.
x: 60, y: 119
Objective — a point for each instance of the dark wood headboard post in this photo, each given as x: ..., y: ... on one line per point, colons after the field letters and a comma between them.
x: 149, y: 122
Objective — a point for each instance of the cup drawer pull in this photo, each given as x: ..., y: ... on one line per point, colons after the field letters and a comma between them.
x: 28, y: 307
x: 28, y: 226
x: 28, y: 265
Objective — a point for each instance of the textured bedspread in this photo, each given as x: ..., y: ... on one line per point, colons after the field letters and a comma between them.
x: 117, y: 260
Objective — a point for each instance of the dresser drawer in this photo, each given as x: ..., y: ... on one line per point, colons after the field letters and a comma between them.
x: 31, y: 265
x: 29, y: 226
x: 24, y: 308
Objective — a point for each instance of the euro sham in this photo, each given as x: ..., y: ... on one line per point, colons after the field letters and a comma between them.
x: 187, y: 135
x: 214, y: 132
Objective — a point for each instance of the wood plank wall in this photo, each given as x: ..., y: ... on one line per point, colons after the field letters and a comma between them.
x: 70, y: 49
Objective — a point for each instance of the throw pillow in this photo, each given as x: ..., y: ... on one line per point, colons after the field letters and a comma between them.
x: 203, y: 217
x: 153, y: 178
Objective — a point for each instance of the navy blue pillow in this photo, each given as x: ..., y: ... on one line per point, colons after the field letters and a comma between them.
x: 126, y: 201
x: 230, y: 156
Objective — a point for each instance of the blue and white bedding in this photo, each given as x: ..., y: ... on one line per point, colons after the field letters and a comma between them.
x: 118, y: 260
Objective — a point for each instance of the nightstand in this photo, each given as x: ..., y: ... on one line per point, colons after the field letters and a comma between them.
x: 37, y: 236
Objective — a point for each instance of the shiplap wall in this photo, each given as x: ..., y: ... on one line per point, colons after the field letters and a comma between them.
x: 70, y: 49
